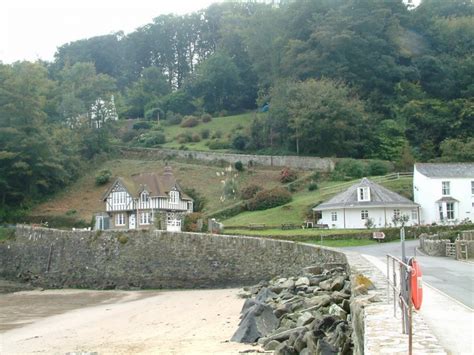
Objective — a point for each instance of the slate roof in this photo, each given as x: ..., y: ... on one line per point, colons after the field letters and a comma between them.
x: 156, y: 185
x: 379, y: 197
x: 448, y: 170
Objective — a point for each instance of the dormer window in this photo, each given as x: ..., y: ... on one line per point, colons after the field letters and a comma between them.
x: 174, y: 197
x: 445, y: 188
x: 144, y: 197
x: 363, y: 194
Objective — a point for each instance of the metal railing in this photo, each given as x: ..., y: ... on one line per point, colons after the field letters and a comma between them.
x: 402, y: 292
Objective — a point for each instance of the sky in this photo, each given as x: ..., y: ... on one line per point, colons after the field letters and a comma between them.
x: 33, y: 29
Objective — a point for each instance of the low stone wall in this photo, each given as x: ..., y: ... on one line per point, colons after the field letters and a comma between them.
x: 433, y: 246
x: 151, y: 259
x: 296, y: 162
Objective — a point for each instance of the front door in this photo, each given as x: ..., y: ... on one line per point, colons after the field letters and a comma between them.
x: 173, y: 223
x: 132, y: 223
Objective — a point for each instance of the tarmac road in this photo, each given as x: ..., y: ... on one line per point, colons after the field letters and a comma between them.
x: 452, y: 277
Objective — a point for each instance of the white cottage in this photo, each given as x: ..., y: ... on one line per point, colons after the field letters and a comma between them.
x: 445, y: 192
x: 367, y: 203
x: 145, y: 200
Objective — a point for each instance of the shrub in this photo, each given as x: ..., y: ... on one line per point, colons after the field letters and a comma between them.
x: 195, y: 137
x: 151, y: 139
x: 377, y: 167
x: 312, y: 186
x: 206, y: 118
x: 250, y: 191
x: 239, y: 166
x: 184, y: 137
x: 205, y: 132
x: 240, y: 141
x: 103, y: 177
x: 288, y: 175
x: 154, y: 114
x: 130, y: 135
x: 219, y: 144
x: 348, y: 169
x: 142, y: 125
x: 268, y: 199
x: 199, y: 201
x: 189, y: 121
x: 191, y: 222
x: 122, y: 238
x: 216, y: 134
x: 173, y: 118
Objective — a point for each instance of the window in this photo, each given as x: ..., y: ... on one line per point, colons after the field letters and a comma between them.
x: 145, y: 218
x: 472, y: 187
x: 145, y: 197
x: 440, y: 209
x: 445, y: 188
x: 118, y: 200
x: 364, y: 214
x: 120, y: 219
x: 450, y: 210
x: 174, y: 197
x: 396, y: 213
x: 363, y: 194
x: 414, y: 215
x: 334, y: 216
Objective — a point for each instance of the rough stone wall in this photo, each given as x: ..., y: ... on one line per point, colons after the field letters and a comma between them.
x: 296, y: 162
x: 433, y: 246
x: 146, y: 259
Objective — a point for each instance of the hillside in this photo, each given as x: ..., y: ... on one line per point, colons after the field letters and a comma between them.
x: 295, y: 212
x: 83, y: 198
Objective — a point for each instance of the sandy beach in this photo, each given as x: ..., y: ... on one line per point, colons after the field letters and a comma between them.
x: 120, y: 322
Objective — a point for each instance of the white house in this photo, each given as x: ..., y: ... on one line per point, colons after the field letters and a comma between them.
x: 143, y: 201
x: 367, y: 203
x: 445, y: 192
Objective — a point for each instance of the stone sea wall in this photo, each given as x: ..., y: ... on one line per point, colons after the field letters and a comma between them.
x: 296, y: 162
x: 150, y: 259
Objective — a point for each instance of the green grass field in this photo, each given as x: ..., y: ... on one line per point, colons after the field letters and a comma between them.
x: 6, y: 233
x: 225, y: 126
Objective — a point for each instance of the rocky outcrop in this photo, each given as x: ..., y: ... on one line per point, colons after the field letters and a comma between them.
x: 310, y: 313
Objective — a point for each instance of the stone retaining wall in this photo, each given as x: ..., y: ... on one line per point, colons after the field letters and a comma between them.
x: 433, y: 246
x: 151, y: 259
x: 296, y: 162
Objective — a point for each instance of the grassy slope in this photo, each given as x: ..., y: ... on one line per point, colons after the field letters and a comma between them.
x: 84, y: 196
x: 294, y: 212
x: 226, y: 125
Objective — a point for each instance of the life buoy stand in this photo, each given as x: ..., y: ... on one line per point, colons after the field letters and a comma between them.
x: 416, y: 283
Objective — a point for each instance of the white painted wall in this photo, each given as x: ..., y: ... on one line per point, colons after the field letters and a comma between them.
x: 351, y: 218
x: 426, y: 191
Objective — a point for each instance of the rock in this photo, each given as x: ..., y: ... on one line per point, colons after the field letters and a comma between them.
x: 244, y: 294
x: 282, y: 310
x: 346, y: 305
x: 360, y: 290
x: 304, y: 319
x: 337, y: 311
x: 302, y: 281
x: 319, y: 301
x: 285, y: 335
x: 324, y: 348
x: 314, y: 270
x: 299, y: 343
x: 315, y: 280
x: 276, y: 289
x: 249, y: 303
x: 259, y: 321
x: 285, y: 349
x: 305, y: 351
x: 339, y: 336
x: 365, y: 281
x: 338, y: 296
x: 271, y: 345
x: 325, y: 323
x: 311, y: 342
x: 287, y: 323
x: 264, y: 295
x: 325, y: 285
x: 338, y: 283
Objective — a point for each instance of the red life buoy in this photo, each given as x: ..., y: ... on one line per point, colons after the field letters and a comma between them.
x: 416, y: 284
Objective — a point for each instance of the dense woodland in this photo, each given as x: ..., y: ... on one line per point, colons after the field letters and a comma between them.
x: 342, y: 78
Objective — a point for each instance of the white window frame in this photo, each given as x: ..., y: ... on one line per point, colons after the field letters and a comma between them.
x: 363, y: 194
x: 364, y: 214
x: 445, y: 188
x: 120, y: 219
x: 472, y: 188
x: 333, y: 216
x: 450, y: 211
x: 145, y: 218
x: 414, y: 214
x: 396, y: 213
x: 144, y: 197
x: 174, y: 197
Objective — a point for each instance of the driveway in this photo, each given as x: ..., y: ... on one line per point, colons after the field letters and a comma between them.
x: 452, y: 277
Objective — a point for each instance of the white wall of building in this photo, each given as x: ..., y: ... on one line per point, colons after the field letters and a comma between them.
x: 352, y: 218
x: 426, y: 191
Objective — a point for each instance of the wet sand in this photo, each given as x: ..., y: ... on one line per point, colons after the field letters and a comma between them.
x: 120, y: 322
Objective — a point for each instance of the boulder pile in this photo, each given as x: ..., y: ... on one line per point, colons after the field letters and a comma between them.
x: 308, y: 314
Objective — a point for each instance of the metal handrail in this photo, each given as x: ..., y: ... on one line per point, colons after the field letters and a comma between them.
x: 405, y: 301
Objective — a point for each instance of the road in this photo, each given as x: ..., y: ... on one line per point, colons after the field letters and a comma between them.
x: 452, y: 277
